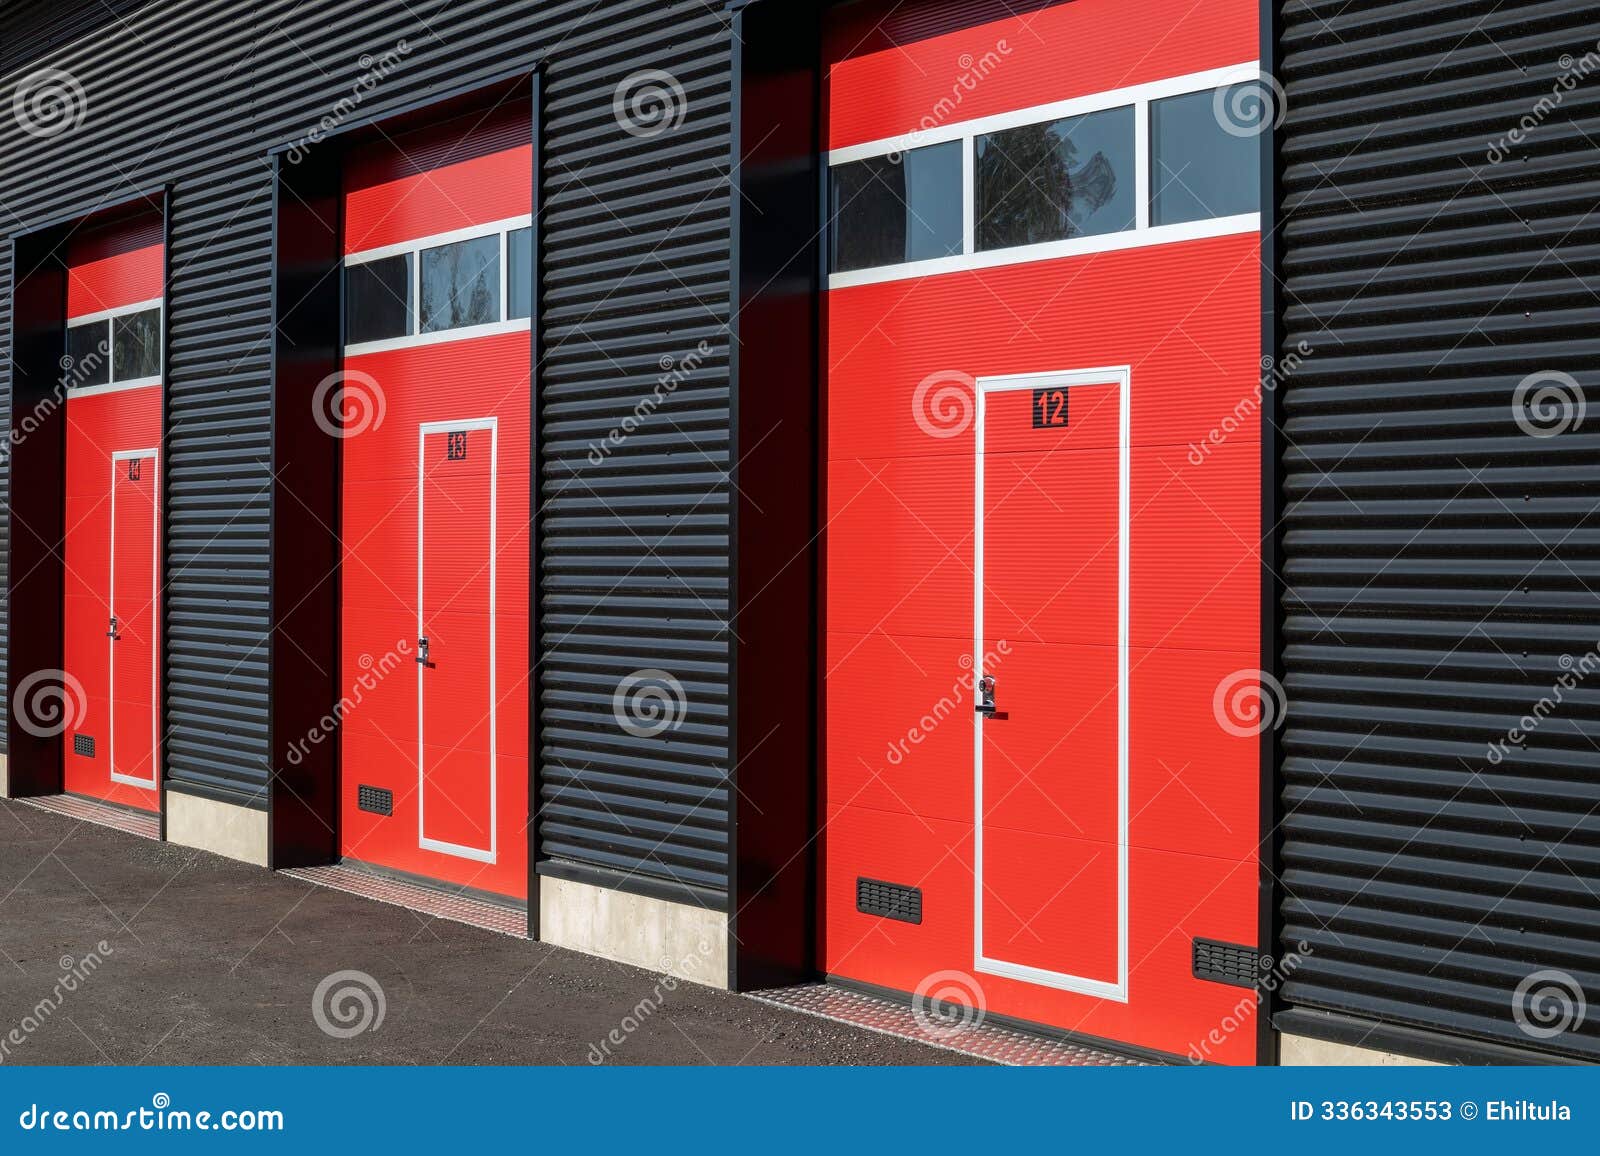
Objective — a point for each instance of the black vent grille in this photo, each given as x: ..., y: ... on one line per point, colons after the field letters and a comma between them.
x: 890, y: 900
x: 1438, y: 251
x: 378, y: 800
x: 1231, y: 963
x: 83, y: 745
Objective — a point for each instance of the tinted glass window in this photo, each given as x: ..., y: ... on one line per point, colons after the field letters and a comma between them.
x: 1048, y: 182
x: 461, y: 284
x: 519, y: 278
x: 89, y: 354
x: 378, y: 299
x: 136, y: 345
x: 888, y: 211
x: 1199, y: 168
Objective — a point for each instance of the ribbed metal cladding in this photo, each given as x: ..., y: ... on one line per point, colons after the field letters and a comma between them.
x: 1441, y: 561
x: 634, y: 569
x: 634, y: 529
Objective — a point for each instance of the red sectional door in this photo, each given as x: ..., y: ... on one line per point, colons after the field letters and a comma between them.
x: 135, y: 616
x: 456, y: 699
x: 113, y: 534
x: 1013, y: 492
x: 1051, y: 758
x: 435, y: 480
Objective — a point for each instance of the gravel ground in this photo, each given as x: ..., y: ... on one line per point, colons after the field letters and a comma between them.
x: 216, y: 962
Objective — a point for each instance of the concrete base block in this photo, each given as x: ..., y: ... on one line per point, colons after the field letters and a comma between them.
x: 1302, y: 1051
x: 671, y: 938
x: 5, y: 777
x: 223, y: 828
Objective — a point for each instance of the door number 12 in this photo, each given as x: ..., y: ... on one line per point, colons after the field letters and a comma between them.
x: 1050, y: 408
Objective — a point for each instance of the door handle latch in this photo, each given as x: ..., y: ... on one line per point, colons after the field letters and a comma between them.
x: 985, y: 705
x: 422, y: 652
x: 112, y: 633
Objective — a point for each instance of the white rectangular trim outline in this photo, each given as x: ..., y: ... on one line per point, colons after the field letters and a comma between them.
x: 115, y: 386
x: 501, y: 230
x: 1139, y: 97
x: 492, y: 424
x: 1122, y: 376
x: 155, y: 643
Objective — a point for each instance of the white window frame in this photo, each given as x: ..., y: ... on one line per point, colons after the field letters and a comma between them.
x: 1139, y: 96
x: 505, y: 323
x: 108, y: 317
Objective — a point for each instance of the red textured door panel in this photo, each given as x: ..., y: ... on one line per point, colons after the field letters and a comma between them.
x: 135, y: 616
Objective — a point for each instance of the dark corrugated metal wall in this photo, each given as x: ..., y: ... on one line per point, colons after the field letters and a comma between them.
x: 1440, y: 562
x: 635, y: 571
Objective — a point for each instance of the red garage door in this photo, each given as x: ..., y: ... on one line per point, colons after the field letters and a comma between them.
x: 1042, y: 545
x: 112, y: 643
x: 433, y: 404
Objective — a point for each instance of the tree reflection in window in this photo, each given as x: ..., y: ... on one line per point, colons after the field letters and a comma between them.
x: 461, y: 284
x: 1056, y: 180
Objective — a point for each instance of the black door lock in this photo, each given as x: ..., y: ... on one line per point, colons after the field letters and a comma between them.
x: 113, y: 633
x: 985, y: 705
x: 422, y: 652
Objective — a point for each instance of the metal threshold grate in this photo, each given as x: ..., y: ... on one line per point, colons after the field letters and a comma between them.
x: 416, y: 897
x: 140, y: 823
x: 984, y: 1041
